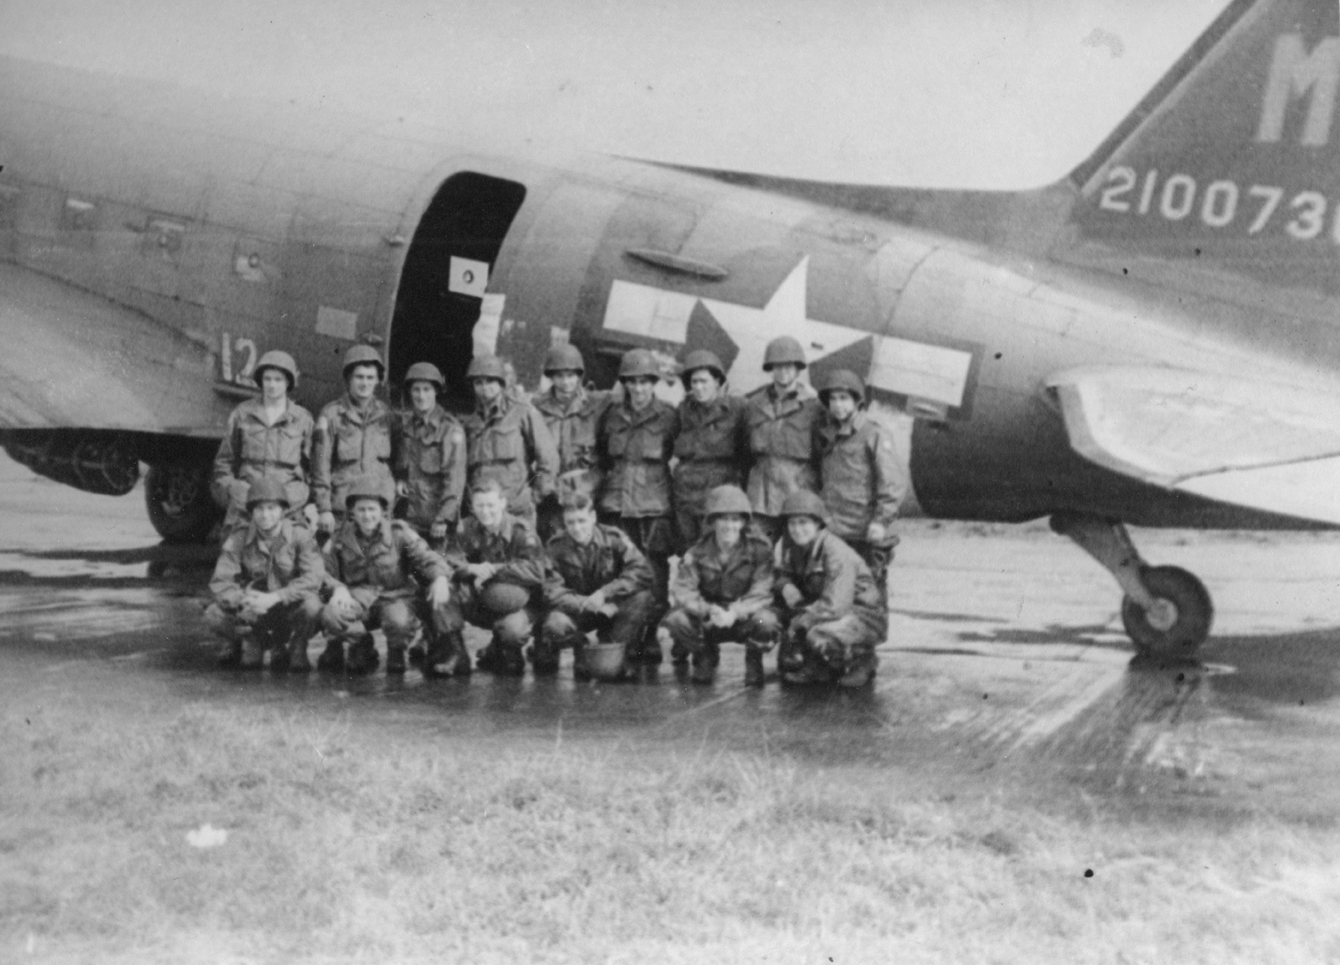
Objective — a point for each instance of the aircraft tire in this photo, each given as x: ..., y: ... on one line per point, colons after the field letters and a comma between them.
x: 1194, y: 614
x: 178, y: 500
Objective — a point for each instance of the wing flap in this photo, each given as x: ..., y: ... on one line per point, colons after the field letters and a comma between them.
x: 72, y: 359
x: 1261, y: 445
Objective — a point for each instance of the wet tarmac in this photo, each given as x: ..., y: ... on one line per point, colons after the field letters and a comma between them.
x: 1005, y: 661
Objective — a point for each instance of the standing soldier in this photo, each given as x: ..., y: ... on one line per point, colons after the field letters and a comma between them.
x: 499, y: 578
x: 713, y: 441
x: 572, y: 414
x: 265, y: 585
x: 781, y: 435
x: 507, y: 440
x: 722, y: 590
x: 371, y: 563
x: 269, y: 436
x: 636, y: 440
x: 432, y: 457
x: 862, y: 483
x: 598, y: 581
x: 826, y: 600
x: 356, y: 438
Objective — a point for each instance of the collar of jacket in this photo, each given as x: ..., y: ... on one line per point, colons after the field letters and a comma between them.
x: 283, y: 533
x: 708, y: 544
x: 636, y: 417
x: 553, y: 405
x: 494, y: 410
x: 505, y: 527
x: 840, y: 430
x: 255, y: 409
x: 796, y: 391
x: 433, y: 418
x: 812, y: 551
x: 367, y: 412
x: 354, y: 536
x: 717, y: 406
x: 600, y: 538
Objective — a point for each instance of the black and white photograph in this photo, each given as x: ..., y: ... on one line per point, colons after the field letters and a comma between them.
x: 782, y: 483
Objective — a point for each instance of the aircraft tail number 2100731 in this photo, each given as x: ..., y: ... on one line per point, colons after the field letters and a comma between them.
x: 1153, y: 340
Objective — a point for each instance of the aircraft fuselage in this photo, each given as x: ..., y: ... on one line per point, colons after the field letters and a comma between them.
x: 245, y: 227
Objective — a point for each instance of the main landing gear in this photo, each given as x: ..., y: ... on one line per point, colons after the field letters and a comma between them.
x: 1166, y: 611
x: 177, y: 497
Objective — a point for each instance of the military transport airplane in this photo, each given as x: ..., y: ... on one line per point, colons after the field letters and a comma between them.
x: 1152, y: 340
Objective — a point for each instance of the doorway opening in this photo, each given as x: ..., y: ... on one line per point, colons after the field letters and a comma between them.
x: 447, y: 267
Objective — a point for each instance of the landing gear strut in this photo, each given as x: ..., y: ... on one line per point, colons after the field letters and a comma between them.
x: 1166, y: 611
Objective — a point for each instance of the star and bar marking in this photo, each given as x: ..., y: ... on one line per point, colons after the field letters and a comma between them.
x: 739, y: 335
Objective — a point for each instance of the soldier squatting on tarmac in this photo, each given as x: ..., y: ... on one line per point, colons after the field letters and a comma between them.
x: 780, y: 507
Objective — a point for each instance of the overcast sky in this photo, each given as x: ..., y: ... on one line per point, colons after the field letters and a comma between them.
x: 968, y: 93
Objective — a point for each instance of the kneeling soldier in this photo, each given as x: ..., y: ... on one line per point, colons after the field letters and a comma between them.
x: 833, y: 613
x: 265, y: 585
x: 722, y: 589
x: 598, y: 581
x: 370, y: 564
x: 499, y: 573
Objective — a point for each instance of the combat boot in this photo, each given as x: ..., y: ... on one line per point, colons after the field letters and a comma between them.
x: 297, y: 657
x: 860, y: 671
x: 791, y: 655
x: 446, y: 656
x: 543, y: 658
x: 679, y: 654
x: 705, y: 663
x: 279, y: 658
x: 332, y: 658
x: 230, y: 654
x: 362, y: 659
x: 812, y: 670
x: 487, y: 660
x: 753, y: 666
x: 511, y: 661
x: 252, y: 654
x: 395, y: 658
x: 501, y: 660
x: 463, y: 666
x: 651, y: 655
x: 580, y: 669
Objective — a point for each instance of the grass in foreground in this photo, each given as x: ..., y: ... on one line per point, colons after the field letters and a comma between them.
x: 345, y: 847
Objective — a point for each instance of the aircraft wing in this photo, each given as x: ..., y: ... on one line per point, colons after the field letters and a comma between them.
x: 70, y: 359
x: 1249, y: 443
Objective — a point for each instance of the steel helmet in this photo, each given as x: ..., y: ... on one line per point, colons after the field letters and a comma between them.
x: 727, y: 499
x: 267, y: 489
x: 367, y: 487
x: 487, y: 367
x: 844, y: 380
x: 639, y: 363
x: 702, y: 359
x: 805, y: 503
x: 275, y: 359
x: 425, y: 372
x: 363, y: 355
x: 564, y: 358
x: 783, y: 350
